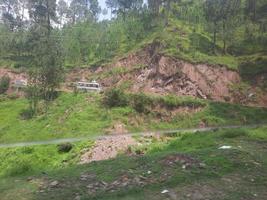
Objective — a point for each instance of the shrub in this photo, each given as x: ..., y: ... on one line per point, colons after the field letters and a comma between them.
x: 171, y: 102
x: 140, y: 102
x: 64, y: 148
x: 19, y: 167
x: 27, y: 114
x: 233, y: 133
x: 115, y: 98
x: 4, y: 84
x: 13, y: 96
x: 3, y: 98
x: 250, y: 68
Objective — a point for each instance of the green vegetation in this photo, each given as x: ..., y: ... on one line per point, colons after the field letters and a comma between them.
x: 55, y: 36
x: 4, y: 84
x: 214, y: 32
x: 244, y: 164
x: 30, y: 160
x: 80, y: 115
x: 252, y: 67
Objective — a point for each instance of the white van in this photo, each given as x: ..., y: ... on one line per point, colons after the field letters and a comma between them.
x: 88, y: 86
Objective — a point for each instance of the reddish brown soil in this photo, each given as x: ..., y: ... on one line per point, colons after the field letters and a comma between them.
x: 13, y: 75
x: 163, y: 75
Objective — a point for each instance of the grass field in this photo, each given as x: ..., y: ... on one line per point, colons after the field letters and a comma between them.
x: 84, y: 115
x: 236, y: 173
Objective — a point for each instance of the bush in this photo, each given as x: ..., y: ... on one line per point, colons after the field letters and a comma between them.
x: 13, y: 96
x: 64, y: 148
x: 233, y: 133
x: 4, y: 84
x: 140, y: 102
x: 253, y: 67
x: 27, y: 114
x: 171, y: 102
x: 19, y: 167
x: 3, y: 98
x: 115, y: 98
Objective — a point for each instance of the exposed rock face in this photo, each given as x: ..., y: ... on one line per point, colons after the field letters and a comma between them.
x: 163, y: 75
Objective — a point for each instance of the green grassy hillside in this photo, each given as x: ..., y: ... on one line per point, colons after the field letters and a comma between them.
x: 77, y: 115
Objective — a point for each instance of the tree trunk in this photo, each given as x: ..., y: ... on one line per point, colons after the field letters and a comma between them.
x: 214, y: 37
x: 48, y: 18
x: 254, y: 9
x: 224, y: 37
x: 168, y: 7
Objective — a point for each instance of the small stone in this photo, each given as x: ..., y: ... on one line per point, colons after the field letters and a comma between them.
x: 104, y: 183
x: 142, y: 177
x: 164, y: 191
x: 54, y: 183
x: 202, y: 165
x: 77, y: 198
x: 225, y: 147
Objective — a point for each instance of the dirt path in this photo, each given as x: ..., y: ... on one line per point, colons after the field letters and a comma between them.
x: 59, y: 141
x: 108, y: 148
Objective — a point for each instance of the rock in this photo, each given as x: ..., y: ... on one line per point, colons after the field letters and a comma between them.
x: 54, y: 184
x: 103, y: 183
x: 225, y: 147
x: 164, y: 191
x: 29, y: 179
x: 142, y: 178
x: 77, y: 198
x: 172, y: 196
x: 202, y: 165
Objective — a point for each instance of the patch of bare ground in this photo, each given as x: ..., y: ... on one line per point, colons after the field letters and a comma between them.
x: 92, y: 186
x: 232, y: 187
x: 107, y: 148
x: 117, y: 128
x: 14, y: 76
x: 162, y: 74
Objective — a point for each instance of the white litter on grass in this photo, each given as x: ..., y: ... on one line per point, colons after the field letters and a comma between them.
x: 149, y: 172
x: 164, y: 191
x: 225, y: 147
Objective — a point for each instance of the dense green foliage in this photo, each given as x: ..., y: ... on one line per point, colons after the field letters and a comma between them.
x: 28, y: 160
x: 4, y: 84
x: 201, y: 31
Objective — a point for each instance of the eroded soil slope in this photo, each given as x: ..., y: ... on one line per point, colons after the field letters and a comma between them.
x: 151, y: 72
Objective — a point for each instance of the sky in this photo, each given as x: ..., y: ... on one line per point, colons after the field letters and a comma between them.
x: 103, y: 5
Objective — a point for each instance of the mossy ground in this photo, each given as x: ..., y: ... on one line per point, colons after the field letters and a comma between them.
x: 234, y: 173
